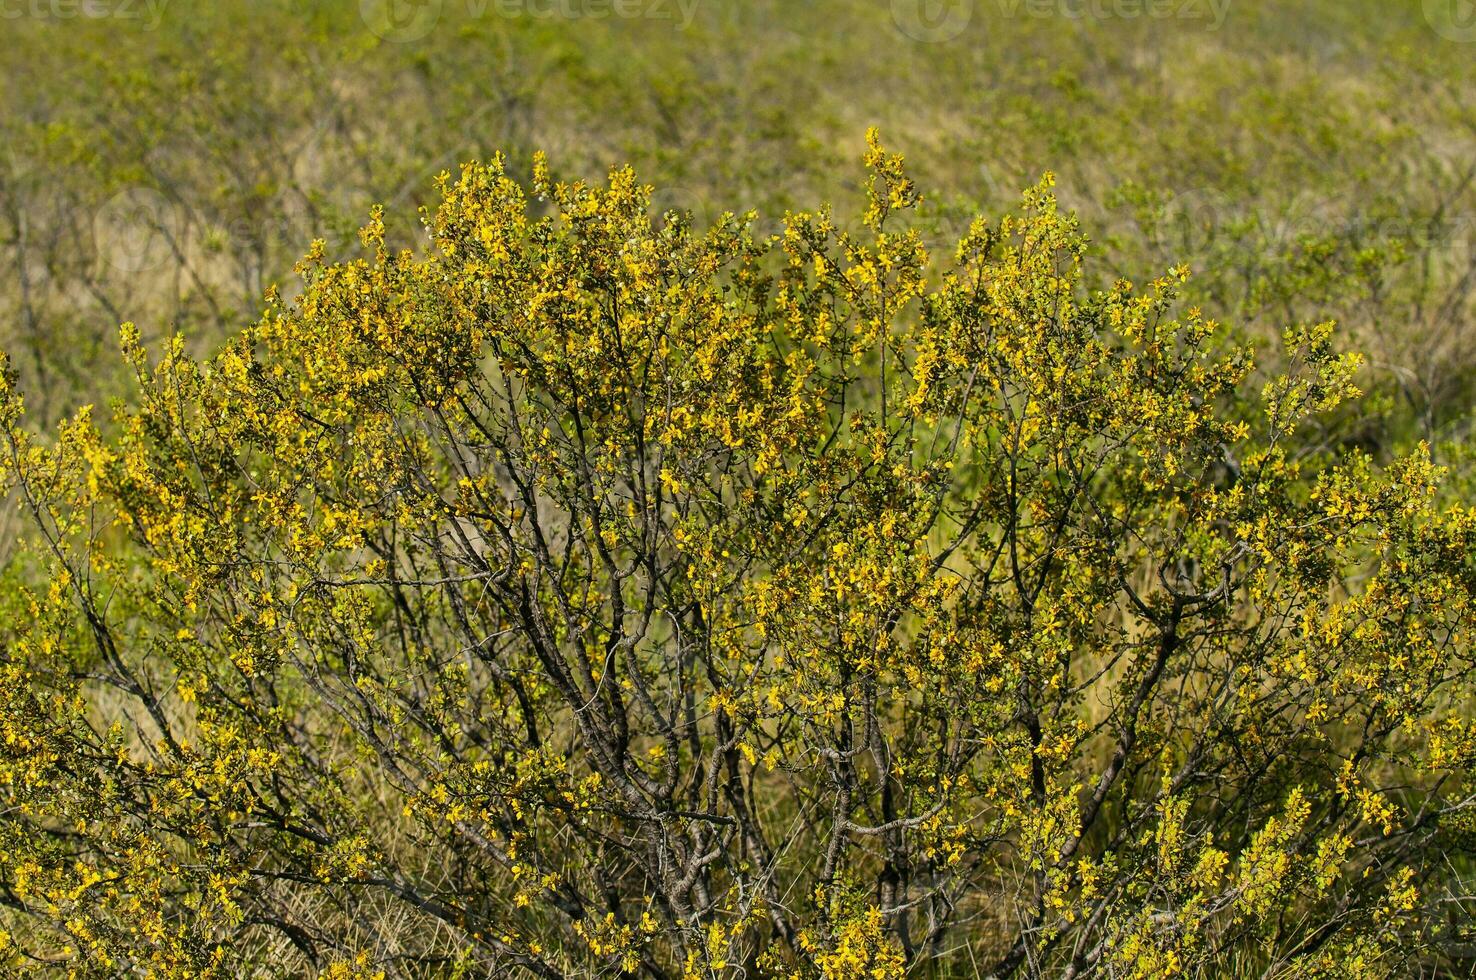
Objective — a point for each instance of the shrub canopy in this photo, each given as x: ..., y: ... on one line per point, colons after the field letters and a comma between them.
x: 598, y: 595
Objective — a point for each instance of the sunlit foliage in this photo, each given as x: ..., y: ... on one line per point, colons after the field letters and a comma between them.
x: 596, y: 594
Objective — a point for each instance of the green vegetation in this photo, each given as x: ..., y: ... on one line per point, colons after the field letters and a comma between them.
x: 1308, y: 161
x: 564, y: 576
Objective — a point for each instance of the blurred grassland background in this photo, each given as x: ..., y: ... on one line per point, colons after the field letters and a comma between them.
x: 166, y: 162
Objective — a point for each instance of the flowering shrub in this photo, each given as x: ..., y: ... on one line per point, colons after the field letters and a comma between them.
x: 599, y: 595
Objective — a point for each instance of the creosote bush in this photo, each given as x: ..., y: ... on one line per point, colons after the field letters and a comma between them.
x: 596, y: 595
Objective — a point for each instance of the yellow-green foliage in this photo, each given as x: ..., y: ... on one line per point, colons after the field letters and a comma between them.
x: 596, y: 594
x: 163, y: 161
